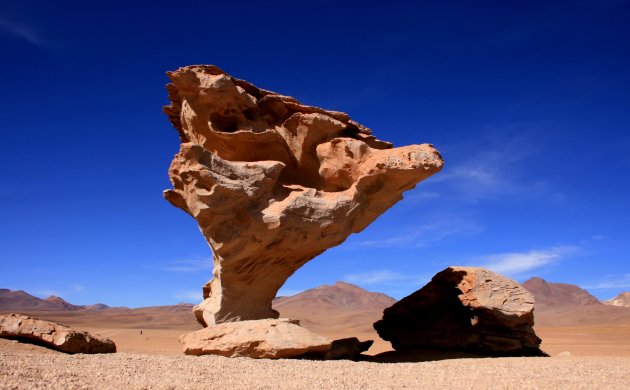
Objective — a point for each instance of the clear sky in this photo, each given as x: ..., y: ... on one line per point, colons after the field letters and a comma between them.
x: 528, y: 102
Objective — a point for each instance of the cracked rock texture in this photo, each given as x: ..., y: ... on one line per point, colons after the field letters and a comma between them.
x: 273, y: 183
x: 464, y: 309
x: 52, y: 335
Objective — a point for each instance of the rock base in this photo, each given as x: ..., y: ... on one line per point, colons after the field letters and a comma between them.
x: 270, y: 338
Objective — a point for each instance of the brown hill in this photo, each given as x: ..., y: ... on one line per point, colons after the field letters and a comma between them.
x: 559, y: 294
x: 621, y: 300
x: 62, y: 304
x: 340, y: 295
x: 20, y: 300
x: 561, y: 304
x: 96, y: 306
x: 337, y: 311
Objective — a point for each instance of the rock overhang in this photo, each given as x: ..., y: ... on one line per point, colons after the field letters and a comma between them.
x: 273, y: 183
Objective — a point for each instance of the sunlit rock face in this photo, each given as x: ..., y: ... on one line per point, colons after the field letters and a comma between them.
x: 273, y: 183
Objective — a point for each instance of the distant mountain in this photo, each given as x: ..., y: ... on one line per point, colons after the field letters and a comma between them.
x: 559, y: 294
x: 62, y: 304
x: 23, y: 302
x: 561, y: 304
x: 96, y: 306
x: 20, y: 300
x: 337, y: 311
x: 621, y: 300
x: 340, y: 296
x: 59, y: 310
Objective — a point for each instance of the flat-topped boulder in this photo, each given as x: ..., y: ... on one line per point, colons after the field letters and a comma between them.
x: 272, y: 183
x: 52, y: 335
x: 271, y: 338
x: 464, y: 309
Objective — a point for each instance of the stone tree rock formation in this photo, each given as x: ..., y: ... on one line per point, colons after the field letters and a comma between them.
x: 273, y: 183
x: 464, y: 309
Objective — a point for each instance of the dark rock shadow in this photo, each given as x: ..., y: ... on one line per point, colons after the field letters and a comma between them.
x: 428, y: 355
x: 34, y: 341
x: 418, y: 355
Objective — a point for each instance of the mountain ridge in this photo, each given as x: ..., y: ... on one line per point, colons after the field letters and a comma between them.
x: 21, y: 300
x: 559, y: 294
x: 562, y: 304
x: 621, y: 300
x: 329, y: 308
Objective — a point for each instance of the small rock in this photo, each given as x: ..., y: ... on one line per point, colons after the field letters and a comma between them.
x: 564, y: 354
x: 349, y: 348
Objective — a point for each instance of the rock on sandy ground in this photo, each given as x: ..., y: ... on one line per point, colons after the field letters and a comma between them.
x: 31, y: 367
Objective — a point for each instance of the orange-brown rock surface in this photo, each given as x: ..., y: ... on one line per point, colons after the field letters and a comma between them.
x: 52, y: 335
x: 273, y: 183
x: 270, y: 338
x: 466, y: 309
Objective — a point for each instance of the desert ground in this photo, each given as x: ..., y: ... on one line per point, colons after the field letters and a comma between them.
x: 160, y: 334
x: 579, y: 341
x: 600, y: 359
x: 33, y: 367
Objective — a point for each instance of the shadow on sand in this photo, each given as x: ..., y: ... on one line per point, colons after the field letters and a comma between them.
x: 418, y: 355
x: 429, y: 355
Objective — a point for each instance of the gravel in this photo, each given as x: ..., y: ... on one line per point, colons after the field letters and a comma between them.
x: 31, y: 367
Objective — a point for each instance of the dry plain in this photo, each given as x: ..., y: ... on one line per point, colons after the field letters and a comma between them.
x: 160, y: 334
x: 600, y: 359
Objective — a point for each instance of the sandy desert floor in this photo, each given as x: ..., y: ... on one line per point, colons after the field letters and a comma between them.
x: 27, y: 366
x: 600, y: 359
x: 580, y: 341
x: 586, y: 340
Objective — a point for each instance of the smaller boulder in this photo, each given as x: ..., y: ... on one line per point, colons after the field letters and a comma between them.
x: 349, y: 349
x: 465, y: 309
x: 52, y: 335
x: 269, y: 338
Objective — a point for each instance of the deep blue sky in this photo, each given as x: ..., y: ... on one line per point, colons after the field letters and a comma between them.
x: 529, y: 103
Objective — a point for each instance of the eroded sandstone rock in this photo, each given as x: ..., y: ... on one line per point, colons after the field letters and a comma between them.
x: 271, y: 338
x: 273, y: 183
x: 464, y: 309
x: 52, y: 335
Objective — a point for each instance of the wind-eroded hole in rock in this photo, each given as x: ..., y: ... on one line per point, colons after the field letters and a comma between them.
x: 224, y: 123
